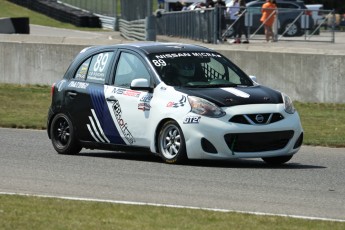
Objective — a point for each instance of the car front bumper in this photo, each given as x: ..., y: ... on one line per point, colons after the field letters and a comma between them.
x: 218, y: 138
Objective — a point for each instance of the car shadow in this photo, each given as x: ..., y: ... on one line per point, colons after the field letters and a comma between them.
x: 231, y: 163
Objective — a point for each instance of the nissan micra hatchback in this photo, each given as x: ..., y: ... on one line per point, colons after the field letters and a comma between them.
x: 178, y: 101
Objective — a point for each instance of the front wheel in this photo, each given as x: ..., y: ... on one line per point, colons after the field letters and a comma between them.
x: 277, y: 160
x: 62, y: 135
x: 171, y: 143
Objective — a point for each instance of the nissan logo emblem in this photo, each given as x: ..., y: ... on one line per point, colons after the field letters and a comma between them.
x: 259, y: 118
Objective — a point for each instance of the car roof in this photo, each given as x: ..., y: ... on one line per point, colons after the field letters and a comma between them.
x: 150, y: 47
x: 295, y: 2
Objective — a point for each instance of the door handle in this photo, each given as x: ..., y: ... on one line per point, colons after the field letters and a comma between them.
x: 72, y: 94
x: 111, y: 98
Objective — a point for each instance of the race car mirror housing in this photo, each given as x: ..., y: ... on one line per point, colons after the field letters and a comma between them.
x: 141, y: 84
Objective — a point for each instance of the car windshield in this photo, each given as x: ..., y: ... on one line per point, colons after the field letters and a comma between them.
x: 198, y: 69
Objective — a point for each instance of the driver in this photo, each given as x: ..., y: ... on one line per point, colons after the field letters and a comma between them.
x: 186, y: 71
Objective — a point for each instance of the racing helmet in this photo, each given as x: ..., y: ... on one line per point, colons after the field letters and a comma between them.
x: 186, y: 69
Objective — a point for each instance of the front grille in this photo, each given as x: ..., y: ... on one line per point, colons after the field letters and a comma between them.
x: 258, y: 142
x: 257, y: 119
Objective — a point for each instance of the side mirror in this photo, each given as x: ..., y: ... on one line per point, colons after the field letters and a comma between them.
x: 253, y: 78
x: 140, y: 84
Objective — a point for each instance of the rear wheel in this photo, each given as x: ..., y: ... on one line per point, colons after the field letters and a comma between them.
x: 171, y: 143
x: 62, y: 135
x: 277, y: 160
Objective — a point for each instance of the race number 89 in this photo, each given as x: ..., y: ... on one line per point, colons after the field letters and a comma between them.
x: 101, y: 62
x: 159, y: 62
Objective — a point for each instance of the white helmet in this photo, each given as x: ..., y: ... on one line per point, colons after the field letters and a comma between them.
x: 186, y: 69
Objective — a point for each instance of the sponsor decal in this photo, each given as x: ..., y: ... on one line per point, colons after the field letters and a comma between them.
x: 237, y: 92
x: 79, y: 85
x: 122, y: 124
x: 146, y: 98
x: 160, y: 62
x: 192, y: 120
x: 126, y: 92
x: 82, y: 71
x: 173, y: 55
x: 191, y: 54
x: 181, y: 103
x: 95, y: 129
x: 144, y: 106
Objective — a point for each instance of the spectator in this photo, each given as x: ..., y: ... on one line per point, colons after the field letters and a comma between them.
x: 233, y: 9
x: 221, y: 23
x: 184, y: 6
x: 209, y: 3
x: 268, y: 16
x: 160, y: 4
x: 219, y: 3
x: 240, y: 27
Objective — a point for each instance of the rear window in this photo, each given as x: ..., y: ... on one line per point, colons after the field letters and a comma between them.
x: 95, y: 68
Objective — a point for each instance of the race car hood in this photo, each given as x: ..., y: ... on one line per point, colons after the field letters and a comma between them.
x: 231, y: 96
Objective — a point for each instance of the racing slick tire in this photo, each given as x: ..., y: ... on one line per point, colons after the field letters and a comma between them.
x: 171, y: 143
x: 277, y: 160
x: 62, y: 135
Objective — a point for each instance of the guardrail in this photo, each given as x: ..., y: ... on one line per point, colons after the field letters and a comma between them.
x: 61, y: 12
x: 106, y: 21
x: 133, y: 30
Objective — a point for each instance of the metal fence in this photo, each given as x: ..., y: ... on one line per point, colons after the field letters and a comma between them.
x: 206, y: 25
x: 197, y: 25
x: 289, y: 25
x: 215, y: 25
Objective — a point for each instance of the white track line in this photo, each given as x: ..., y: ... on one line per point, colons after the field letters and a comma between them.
x: 172, y: 206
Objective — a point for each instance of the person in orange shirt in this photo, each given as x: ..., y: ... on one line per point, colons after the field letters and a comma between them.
x: 268, y: 16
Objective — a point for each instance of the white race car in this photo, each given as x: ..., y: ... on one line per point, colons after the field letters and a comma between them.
x: 178, y: 101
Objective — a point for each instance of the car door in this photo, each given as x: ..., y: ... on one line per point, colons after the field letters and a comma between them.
x: 85, y: 96
x: 130, y: 109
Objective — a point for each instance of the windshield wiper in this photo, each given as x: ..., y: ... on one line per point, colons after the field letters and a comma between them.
x: 223, y: 85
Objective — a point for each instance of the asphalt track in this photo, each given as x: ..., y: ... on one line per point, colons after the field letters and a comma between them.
x: 311, y: 184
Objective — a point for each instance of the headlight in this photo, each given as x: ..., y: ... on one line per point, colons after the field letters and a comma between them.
x: 289, y: 108
x: 203, y: 107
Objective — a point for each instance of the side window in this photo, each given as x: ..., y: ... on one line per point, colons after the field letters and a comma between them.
x: 213, y: 69
x: 82, y: 70
x: 233, y: 77
x: 99, y: 66
x: 130, y: 67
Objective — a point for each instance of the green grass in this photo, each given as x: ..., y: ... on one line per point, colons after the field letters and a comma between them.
x: 324, y: 124
x: 8, y: 9
x: 24, y: 212
x: 27, y: 106
x: 24, y: 106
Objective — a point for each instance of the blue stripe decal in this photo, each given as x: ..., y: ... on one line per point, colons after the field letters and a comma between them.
x: 101, y: 109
